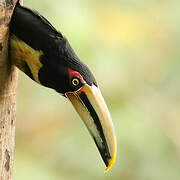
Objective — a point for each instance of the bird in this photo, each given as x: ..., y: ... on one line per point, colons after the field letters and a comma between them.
x: 46, y: 56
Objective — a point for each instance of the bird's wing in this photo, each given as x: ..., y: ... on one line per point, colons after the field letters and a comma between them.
x: 33, y: 29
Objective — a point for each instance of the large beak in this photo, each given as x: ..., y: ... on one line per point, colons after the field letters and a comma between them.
x: 92, y: 108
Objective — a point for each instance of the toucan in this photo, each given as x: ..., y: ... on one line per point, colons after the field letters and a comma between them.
x: 46, y: 56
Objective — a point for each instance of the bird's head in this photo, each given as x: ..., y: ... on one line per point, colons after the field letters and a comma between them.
x: 90, y: 105
x: 82, y: 90
x: 72, y: 78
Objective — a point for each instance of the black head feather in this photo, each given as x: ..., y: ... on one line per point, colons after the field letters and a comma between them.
x: 37, y: 32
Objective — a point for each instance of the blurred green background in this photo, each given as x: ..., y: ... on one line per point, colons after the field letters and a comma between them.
x: 132, y: 46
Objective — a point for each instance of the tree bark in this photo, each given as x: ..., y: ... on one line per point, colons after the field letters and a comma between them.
x: 8, y: 84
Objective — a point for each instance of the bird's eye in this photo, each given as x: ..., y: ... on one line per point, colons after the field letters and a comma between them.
x: 75, y: 81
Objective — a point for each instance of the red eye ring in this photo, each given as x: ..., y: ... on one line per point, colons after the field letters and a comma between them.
x: 73, y: 73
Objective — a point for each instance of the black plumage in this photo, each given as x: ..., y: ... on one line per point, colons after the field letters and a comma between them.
x: 37, y: 32
x: 46, y: 56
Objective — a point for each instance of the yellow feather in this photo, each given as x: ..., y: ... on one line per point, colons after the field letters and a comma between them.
x: 22, y: 54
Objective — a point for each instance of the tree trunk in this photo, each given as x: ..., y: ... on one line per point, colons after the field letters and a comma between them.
x: 8, y: 83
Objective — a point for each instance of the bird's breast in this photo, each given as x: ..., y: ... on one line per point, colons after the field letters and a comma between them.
x: 25, y: 57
